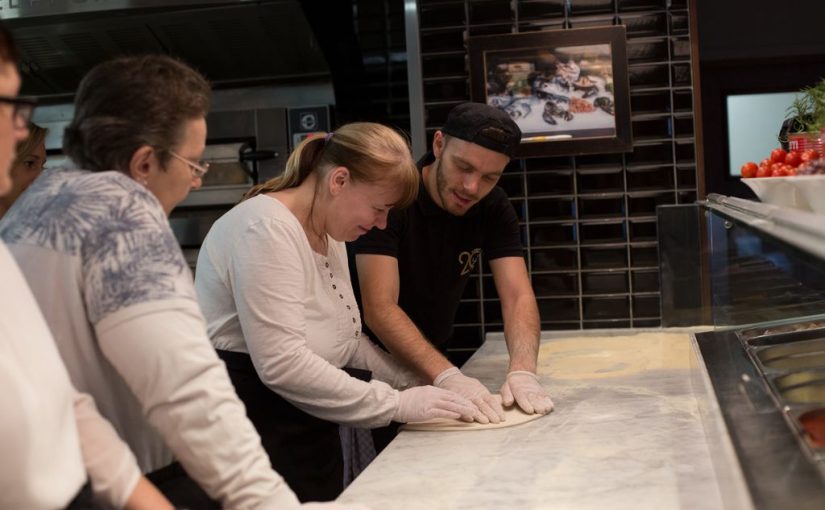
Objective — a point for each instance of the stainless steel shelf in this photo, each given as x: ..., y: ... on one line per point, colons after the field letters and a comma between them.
x: 801, y: 229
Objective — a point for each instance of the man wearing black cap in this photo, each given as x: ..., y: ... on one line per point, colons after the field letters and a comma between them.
x: 412, y: 274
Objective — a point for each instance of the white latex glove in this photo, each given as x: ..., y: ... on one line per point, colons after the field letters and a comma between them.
x: 424, y: 403
x: 524, y: 388
x: 488, y: 407
x: 334, y: 506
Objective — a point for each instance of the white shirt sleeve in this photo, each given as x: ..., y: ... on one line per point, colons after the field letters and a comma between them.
x: 54, y: 438
x: 383, y: 365
x: 267, y: 279
x: 111, y: 466
x: 160, y: 350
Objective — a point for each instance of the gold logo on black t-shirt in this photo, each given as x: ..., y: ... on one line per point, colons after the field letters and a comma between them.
x: 468, y: 260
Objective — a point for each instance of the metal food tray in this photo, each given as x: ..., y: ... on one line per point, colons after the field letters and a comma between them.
x: 781, y: 469
x: 795, y: 355
x: 792, y: 364
x: 812, y: 393
x: 754, y: 334
x: 817, y: 453
x: 782, y: 354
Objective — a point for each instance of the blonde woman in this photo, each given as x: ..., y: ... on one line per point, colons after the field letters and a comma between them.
x: 273, y: 282
x: 27, y: 165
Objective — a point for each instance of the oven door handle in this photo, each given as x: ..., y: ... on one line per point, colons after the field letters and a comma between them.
x: 258, y: 155
x: 253, y: 156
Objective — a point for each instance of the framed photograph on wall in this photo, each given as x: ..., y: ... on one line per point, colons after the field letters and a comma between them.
x: 566, y: 89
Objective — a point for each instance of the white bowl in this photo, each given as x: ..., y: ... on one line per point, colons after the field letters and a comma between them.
x: 804, y: 192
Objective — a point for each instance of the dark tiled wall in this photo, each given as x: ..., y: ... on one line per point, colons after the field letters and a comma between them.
x: 588, y: 222
x: 379, y: 25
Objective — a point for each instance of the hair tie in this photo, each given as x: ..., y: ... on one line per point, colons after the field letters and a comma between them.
x: 326, y: 138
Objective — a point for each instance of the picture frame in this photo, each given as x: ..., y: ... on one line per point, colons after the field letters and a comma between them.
x: 566, y: 89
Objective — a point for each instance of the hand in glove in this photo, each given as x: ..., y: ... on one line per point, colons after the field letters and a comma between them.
x: 524, y: 388
x: 488, y: 407
x: 424, y: 403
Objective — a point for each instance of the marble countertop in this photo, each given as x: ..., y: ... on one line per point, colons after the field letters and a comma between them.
x: 633, y: 428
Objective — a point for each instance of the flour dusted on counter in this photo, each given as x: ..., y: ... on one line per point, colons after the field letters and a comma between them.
x: 588, y: 357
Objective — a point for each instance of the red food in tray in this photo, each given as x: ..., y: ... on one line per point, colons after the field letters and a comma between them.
x: 814, y: 424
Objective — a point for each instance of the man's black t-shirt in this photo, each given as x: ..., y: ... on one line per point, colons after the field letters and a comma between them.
x: 437, y: 252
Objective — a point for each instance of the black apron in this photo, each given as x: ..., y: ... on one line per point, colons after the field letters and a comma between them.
x: 180, y: 489
x: 83, y: 500
x: 303, y: 449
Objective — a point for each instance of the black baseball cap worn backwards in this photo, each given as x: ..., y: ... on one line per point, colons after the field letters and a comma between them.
x: 483, y: 125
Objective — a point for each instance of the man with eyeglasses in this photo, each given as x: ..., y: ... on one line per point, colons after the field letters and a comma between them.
x: 22, y: 108
x: 21, y: 113
x: 199, y: 169
x: 58, y: 452
x: 97, y: 250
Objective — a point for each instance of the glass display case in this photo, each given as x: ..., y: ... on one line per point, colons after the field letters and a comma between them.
x: 756, y: 273
x: 732, y: 262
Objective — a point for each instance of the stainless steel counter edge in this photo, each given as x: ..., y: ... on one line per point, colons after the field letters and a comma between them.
x: 732, y: 484
x: 779, y: 474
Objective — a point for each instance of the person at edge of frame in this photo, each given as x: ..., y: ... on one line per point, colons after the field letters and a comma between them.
x: 58, y: 451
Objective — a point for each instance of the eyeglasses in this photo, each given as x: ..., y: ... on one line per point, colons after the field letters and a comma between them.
x: 23, y: 108
x: 199, y: 169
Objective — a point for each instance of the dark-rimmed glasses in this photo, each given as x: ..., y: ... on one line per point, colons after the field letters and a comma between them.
x: 199, y: 169
x: 23, y: 107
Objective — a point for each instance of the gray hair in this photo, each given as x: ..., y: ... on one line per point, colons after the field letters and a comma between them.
x: 126, y: 103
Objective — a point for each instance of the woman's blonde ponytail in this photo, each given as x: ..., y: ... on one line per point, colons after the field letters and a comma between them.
x: 298, y: 167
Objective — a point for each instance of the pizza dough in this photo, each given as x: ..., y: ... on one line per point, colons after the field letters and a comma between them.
x: 513, y: 416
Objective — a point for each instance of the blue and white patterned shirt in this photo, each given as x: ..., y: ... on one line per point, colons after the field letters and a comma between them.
x: 103, y: 264
x: 116, y: 228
